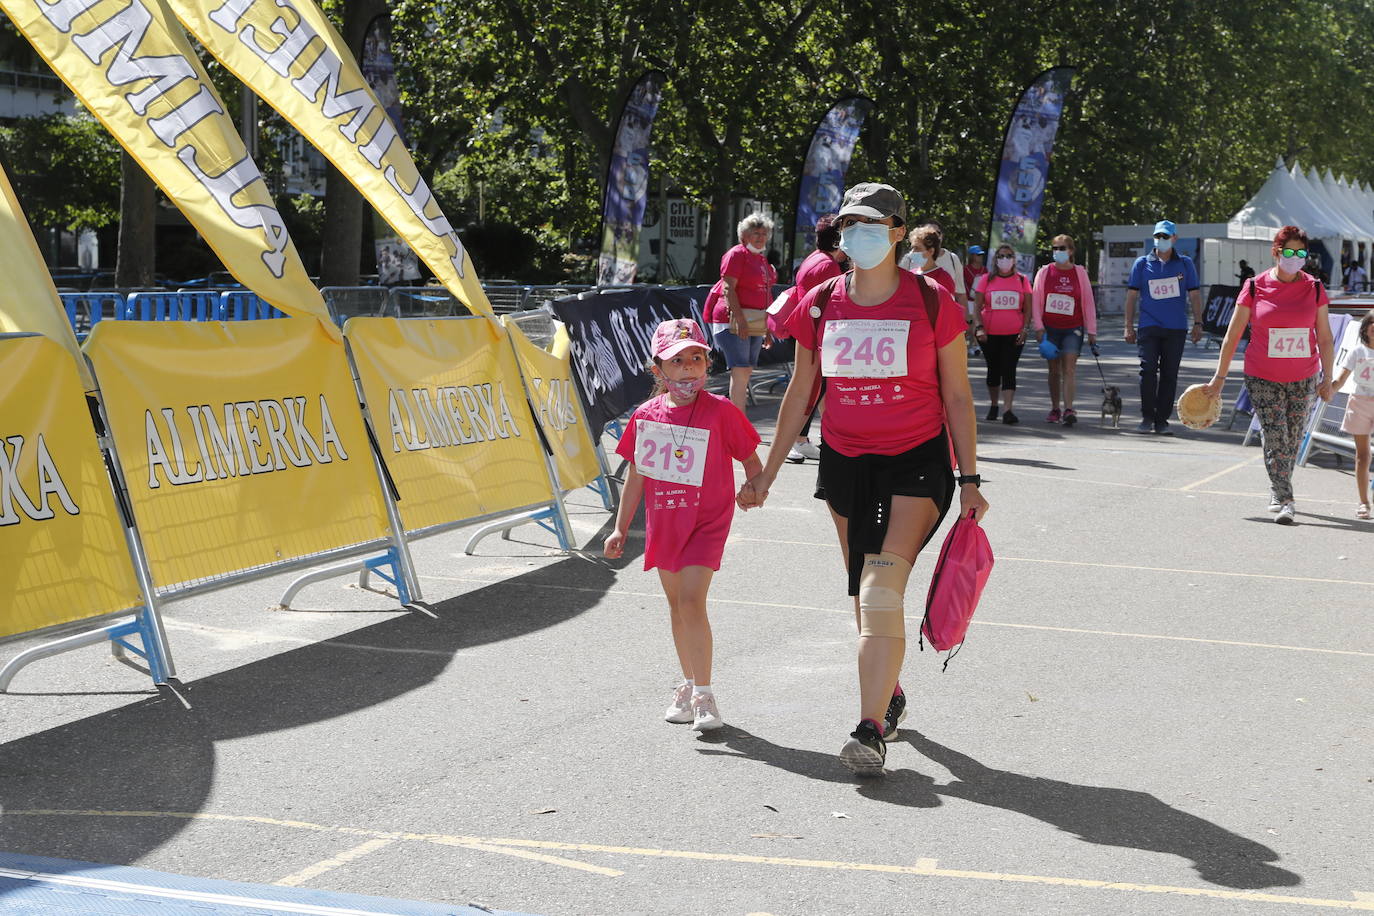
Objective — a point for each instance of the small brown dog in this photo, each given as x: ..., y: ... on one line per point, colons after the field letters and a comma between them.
x: 1111, y: 405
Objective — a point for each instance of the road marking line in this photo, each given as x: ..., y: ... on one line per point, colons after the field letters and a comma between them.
x: 1235, y: 467
x: 343, y: 858
x: 1164, y: 569
x: 977, y: 623
x: 923, y: 867
x: 538, y: 857
x: 1137, y: 486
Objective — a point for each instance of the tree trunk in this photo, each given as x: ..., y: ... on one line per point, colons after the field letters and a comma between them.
x: 341, y: 236
x: 136, y: 252
x: 721, y: 236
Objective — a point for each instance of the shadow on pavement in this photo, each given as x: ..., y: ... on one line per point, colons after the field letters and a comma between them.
x: 1111, y: 817
x: 899, y: 787
x: 1095, y: 814
x: 159, y: 756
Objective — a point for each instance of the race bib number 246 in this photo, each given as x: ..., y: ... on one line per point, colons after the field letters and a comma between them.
x: 862, y: 348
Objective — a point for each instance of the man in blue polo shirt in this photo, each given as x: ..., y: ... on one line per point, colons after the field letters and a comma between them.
x: 1165, y: 283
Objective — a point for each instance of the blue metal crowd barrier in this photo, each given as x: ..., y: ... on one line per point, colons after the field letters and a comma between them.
x: 163, y: 306
x: 86, y: 310
x: 242, y: 305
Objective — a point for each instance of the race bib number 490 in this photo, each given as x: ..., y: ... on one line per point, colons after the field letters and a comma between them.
x: 863, y: 348
x: 1164, y: 288
x: 672, y: 454
x: 1002, y: 299
x: 1290, y: 343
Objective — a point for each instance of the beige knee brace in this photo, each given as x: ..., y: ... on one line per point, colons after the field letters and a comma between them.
x: 882, y: 585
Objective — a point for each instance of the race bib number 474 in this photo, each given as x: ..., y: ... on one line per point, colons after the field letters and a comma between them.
x: 1290, y: 343
x: 672, y: 454
x: 863, y: 348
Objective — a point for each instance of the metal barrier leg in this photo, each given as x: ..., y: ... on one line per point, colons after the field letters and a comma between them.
x: 386, y: 565
x: 116, y: 633
x: 550, y: 519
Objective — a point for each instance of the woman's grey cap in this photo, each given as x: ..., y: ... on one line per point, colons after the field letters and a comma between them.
x: 873, y: 200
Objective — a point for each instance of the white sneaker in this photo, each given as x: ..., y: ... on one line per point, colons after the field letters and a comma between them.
x: 808, y: 450
x: 1275, y: 504
x: 794, y: 455
x: 707, y: 716
x: 1286, y: 514
x: 680, y: 710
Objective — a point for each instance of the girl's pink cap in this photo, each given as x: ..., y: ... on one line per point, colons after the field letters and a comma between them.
x: 672, y: 337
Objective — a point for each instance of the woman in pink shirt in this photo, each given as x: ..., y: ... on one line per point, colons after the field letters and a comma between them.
x: 926, y: 242
x: 1288, y: 359
x: 737, y: 306
x: 681, y: 445
x: 1062, y: 309
x: 896, y: 380
x: 819, y: 266
x: 1002, y: 304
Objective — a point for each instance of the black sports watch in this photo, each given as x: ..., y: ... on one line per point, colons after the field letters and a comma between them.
x: 975, y: 479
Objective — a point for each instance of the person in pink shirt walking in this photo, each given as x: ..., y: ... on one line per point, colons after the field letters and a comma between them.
x: 681, y: 445
x: 1062, y: 310
x: 1287, y: 362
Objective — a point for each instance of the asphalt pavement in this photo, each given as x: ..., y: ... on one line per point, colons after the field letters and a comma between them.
x: 1162, y: 707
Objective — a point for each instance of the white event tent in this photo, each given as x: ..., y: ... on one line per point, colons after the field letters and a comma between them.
x: 1335, y: 212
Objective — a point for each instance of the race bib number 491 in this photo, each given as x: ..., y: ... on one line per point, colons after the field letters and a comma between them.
x: 1164, y: 288
x: 672, y: 454
x: 863, y: 348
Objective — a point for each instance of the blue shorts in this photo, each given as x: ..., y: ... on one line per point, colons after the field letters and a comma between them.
x: 739, y: 352
x: 1068, y: 340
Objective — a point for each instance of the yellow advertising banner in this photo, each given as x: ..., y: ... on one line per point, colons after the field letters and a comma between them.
x: 28, y: 299
x: 555, y: 400
x: 63, y: 555
x: 451, y: 415
x: 289, y: 54
x: 241, y: 442
x: 131, y: 65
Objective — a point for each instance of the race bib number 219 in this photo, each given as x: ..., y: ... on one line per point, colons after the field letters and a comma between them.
x: 672, y: 454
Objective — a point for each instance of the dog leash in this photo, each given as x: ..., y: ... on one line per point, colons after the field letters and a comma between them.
x: 1095, y: 352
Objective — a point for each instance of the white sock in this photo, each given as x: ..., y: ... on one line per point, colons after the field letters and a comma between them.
x: 700, y: 689
x: 687, y: 682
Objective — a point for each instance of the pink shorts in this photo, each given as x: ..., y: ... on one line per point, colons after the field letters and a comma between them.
x: 1359, y: 416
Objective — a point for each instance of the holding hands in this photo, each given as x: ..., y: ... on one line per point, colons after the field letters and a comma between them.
x: 752, y: 494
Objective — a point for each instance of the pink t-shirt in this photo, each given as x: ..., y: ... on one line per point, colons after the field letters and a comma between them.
x: 940, y: 276
x: 754, y: 279
x: 686, y: 524
x: 1003, y: 312
x: 1050, y: 281
x: 814, y: 270
x: 1283, y: 327
x: 869, y: 413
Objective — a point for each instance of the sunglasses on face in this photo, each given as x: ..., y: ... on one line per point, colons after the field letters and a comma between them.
x: 1294, y: 252
x: 1160, y: 235
x: 856, y: 220
x: 1059, y: 247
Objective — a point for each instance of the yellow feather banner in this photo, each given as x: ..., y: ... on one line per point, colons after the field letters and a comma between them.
x: 291, y: 56
x: 28, y: 300
x: 132, y: 66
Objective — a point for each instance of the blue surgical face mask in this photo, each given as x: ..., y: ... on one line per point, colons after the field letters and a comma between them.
x: 1164, y: 244
x: 867, y: 244
x: 684, y: 388
x: 1061, y: 257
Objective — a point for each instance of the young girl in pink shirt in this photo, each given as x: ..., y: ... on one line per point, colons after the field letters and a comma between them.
x: 681, y: 445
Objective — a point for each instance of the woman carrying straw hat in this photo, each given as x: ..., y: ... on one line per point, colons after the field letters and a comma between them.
x: 1289, y: 357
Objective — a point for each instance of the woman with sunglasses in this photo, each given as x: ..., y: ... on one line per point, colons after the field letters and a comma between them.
x: 1002, y: 310
x: 1288, y: 358
x: 1062, y: 309
x: 897, y: 395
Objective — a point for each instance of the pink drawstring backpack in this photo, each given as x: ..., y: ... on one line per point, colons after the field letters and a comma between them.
x: 960, y: 574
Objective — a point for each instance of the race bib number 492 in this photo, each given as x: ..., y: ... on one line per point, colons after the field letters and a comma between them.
x: 863, y: 348
x: 672, y: 454
x: 1059, y: 304
x: 1290, y: 343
